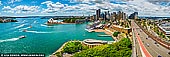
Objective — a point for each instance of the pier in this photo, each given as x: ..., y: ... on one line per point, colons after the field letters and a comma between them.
x: 104, y: 35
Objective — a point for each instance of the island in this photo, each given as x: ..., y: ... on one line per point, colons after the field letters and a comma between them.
x: 2, y: 20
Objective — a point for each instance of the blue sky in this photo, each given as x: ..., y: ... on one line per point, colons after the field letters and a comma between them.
x: 82, y: 7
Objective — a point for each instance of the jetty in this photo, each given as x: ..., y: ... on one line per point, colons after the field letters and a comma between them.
x: 104, y: 35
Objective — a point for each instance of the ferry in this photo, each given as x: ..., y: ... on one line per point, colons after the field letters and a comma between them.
x: 21, y: 37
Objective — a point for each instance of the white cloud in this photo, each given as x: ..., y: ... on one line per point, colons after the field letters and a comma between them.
x: 0, y: 3
x: 144, y: 7
x: 6, y: 8
x: 147, y: 8
x: 53, y: 7
x: 12, y: 1
x: 21, y: 9
x: 47, y: 2
x: 89, y: 1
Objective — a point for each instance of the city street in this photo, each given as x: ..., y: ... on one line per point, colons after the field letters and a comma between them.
x: 154, y: 49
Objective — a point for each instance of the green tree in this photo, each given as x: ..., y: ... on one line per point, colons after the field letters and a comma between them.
x: 72, y: 47
x: 115, y: 34
x: 119, y: 49
x: 58, y: 54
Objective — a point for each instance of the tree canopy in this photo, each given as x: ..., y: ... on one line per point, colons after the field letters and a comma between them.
x: 72, y: 47
x: 120, y: 49
x: 115, y: 34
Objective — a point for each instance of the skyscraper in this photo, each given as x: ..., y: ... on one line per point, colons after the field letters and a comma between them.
x: 108, y: 15
x: 114, y: 15
x: 105, y: 14
x: 124, y: 16
x: 134, y: 15
x: 119, y: 15
x: 97, y: 14
x: 102, y: 16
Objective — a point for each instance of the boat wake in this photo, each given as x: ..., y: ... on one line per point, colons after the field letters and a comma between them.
x: 24, y: 28
x: 45, y: 25
x: 16, y: 27
x: 19, y: 26
x: 7, y: 40
x: 35, y: 21
x: 23, y: 21
x: 37, y: 32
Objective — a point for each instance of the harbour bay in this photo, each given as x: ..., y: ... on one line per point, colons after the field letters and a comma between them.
x: 41, y: 38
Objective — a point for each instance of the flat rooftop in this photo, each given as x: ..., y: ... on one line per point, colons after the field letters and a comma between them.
x: 165, y: 26
x: 96, y: 42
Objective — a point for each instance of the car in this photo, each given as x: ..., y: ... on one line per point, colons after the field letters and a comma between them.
x: 169, y: 52
x: 159, y: 56
x: 147, y: 45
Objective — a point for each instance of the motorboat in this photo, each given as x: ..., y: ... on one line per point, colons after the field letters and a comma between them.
x: 30, y: 26
x: 89, y: 30
x: 21, y: 37
x: 24, y: 30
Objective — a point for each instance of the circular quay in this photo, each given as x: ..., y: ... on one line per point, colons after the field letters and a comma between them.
x: 84, y: 28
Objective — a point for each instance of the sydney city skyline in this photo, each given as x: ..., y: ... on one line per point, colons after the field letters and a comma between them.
x: 82, y: 7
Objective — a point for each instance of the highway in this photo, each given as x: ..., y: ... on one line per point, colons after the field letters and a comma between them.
x: 154, y: 49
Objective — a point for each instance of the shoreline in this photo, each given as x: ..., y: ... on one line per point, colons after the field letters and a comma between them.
x: 60, y: 49
x: 58, y: 23
x: 106, y: 31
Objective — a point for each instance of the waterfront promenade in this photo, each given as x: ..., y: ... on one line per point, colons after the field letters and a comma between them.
x: 106, y: 31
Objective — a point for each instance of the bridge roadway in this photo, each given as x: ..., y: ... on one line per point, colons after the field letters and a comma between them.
x: 154, y: 49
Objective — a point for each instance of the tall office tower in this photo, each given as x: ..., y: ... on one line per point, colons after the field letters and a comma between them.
x: 124, y: 16
x: 119, y: 15
x: 97, y: 14
x: 94, y: 16
x: 114, y: 16
x: 111, y: 17
x: 134, y: 15
x: 102, y: 15
x: 105, y: 14
x: 108, y: 15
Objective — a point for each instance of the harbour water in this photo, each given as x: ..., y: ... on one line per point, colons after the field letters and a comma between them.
x: 40, y: 38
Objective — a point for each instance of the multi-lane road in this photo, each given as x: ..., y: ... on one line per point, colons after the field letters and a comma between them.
x: 154, y: 49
